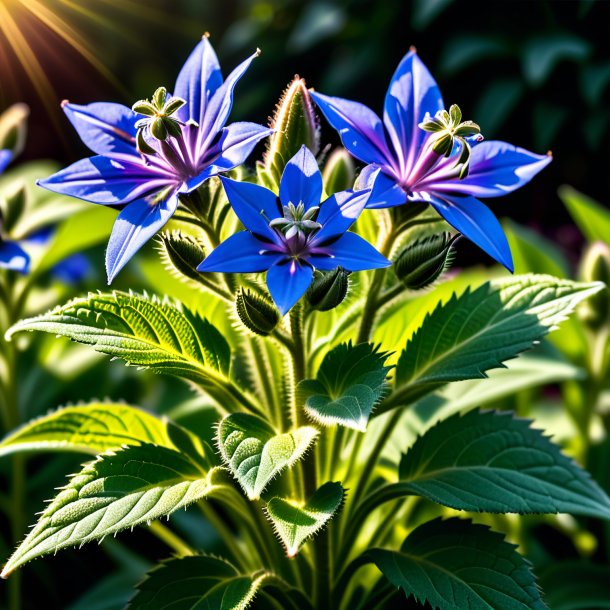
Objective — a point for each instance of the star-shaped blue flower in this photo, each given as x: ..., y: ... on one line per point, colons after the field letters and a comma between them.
x: 291, y: 235
x: 144, y: 178
x: 403, y: 167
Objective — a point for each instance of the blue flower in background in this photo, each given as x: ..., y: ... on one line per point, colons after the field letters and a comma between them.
x: 405, y: 165
x: 294, y: 234
x: 12, y: 255
x: 143, y: 174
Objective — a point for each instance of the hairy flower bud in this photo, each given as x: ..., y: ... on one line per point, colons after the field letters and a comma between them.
x: 295, y: 124
x: 257, y: 313
x: 339, y: 172
x: 422, y: 262
x: 181, y: 253
x: 13, y: 128
x: 328, y: 290
x: 595, y: 267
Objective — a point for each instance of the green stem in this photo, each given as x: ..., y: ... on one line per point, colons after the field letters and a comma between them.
x: 173, y: 541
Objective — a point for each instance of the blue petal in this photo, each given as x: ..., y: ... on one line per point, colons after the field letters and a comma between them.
x: 475, y: 221
x: 107, y: 180
x: 301, y: 180
x: 339, y: 212
x: 134, y: 226
x: 351, y: 252
x: 361, y: 130
x: 197, y: 82
x: 6, y: 157
x: 287, y: 282
x: 412, y: 94
x: 104, y: 127
x: 240, y: 253
x: 73, y: 269
x: 234, y: 145
x: 496, y: 168
x: 219, y: 107
x: 254, y: 205
x: 14, y: 257
x: 386, y: 192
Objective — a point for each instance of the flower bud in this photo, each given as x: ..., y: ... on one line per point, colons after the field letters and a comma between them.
x: 181, y: 253
x: 422, y: 262
x: 13, y: 128
x: 13, y: 205
x: 257, y: 313
x: 295, y: 124
x: 339, y: 172
x: 595, y: 267
x: 328, y: 290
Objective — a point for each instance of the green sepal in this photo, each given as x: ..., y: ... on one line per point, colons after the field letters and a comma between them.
x: 256, y: 313
x: 255, y: 453
x: 181, y: 253
x: 295, y: 522
x: 339, y: 172
x: 13, y: 205
x: 328, y: 289
x: 421, y: 263
x: 595, y: 267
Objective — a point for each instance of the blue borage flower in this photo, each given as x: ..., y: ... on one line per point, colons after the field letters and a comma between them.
x: 145, y: 180
x: 404, y: 167
x: 12, y: 255
x: 294, y: 234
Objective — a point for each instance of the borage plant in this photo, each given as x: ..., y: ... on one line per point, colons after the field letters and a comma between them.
x: 302, y: 479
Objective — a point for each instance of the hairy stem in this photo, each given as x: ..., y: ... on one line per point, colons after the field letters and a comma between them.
x: 173, y: 541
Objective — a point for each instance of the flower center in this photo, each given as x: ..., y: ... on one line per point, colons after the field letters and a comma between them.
x: 160, y: 133
x: 297, y: 222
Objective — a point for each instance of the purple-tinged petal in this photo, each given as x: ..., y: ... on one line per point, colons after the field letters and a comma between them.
x: 197, y: 82
x: 287, y: 282
x: 301, y: 180
x: 475, y: 221
x: 386, y: 192
x: 338, y: 213
x: 6, y: 156
x: 108, y: 180
x: 496, y: 169
x: 254, y: 205
x: 234, y: 145
x: 14, y: 257
x: 134, y: 226
x: 412, y: 94
x: 351, y: 252
x: 219, y: 107
x: 361, y: 130
x: 240, y: 253
x: 104, y: 127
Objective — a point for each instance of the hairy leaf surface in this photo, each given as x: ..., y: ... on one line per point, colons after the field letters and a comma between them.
x: 295, y: 523
x: 198, y: 582
x: 349, y: 383
x: 481, y: 329
x: 117, y: 491
x: 494, y: 462
x: 255, y: 454
x: 142, y: 331
x: 457, y: 565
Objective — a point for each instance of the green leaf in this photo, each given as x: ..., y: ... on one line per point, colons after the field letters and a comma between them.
x: 295, y: 523
x: 142, y: 331
x: 350, y: 381
x: 458, y: 565
x: 573, y: 585
x: 92, y: 428
x: 117, y: 491
x: 255, y: 453
x: 494, y: 462
x: 199, y: 582
x: 591, y: 217
x: 481, y: 329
